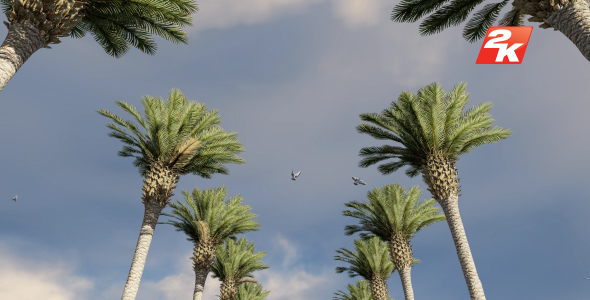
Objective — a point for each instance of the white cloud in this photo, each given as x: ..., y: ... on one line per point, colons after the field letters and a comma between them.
x: 360, y: 13
x: 222, y: 14
x: 289, y: 249
x: 34, y: 278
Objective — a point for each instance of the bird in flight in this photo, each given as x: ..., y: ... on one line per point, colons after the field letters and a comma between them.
x: 295, y: 175
x: 15, y: 198
x: 586, y: 278
x: 358, y: 181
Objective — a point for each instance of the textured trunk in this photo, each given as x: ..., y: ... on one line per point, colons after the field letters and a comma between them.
x: 379, y: 289
x: 450, y: 207
x: 203, y: 256
x: 406, y: 277
x: 201, y: 277
x: 228, y: 290
x: 150, y: 219
x: 22, y: 40
x: 573, y: 20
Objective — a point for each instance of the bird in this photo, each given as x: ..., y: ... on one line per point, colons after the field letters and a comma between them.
x: 15, y: 198
x: 586, y: 278
x: 295, y: 175
x: 358, y: 181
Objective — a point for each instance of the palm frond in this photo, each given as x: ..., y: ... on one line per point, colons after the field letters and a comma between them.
x: 478, y: 25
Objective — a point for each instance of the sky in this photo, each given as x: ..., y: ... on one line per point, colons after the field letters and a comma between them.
x: 291, y: 77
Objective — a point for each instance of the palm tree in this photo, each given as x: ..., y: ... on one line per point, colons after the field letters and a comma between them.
x: 235, y: 261
x: 394, y: 215
x: 370, y: 261
x: 115, y: 25
x: 434, y: 130
x: 251, y: 291
x: 570, y: 17
x: 207, y: 221
x: 181, y: 137
x: 359, y: 291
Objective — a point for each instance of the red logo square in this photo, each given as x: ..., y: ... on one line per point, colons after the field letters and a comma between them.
x: 504, y: 45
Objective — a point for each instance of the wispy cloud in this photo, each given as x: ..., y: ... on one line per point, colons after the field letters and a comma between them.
x: 220, y: 14
x: 360, y: 13
x: 26, y: 278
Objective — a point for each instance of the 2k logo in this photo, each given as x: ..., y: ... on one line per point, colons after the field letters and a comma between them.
x: 515, y: 39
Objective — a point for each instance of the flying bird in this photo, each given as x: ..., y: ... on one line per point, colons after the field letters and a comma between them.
x: 358, y: 181
x: 295, y: 175
x: 15, y: 198
x: 586, y: 278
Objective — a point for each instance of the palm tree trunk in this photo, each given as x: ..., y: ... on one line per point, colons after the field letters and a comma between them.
x: 573, y: 20
x: 22, y: 40
x: 150, y: 219
x: 379, y: 289
x: 228, y: 290
x: 450, y: 207
x: 404, y: 275
x: 201, y: 277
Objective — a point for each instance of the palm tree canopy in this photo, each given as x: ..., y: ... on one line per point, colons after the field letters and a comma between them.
x: 359, y: 291
x: 429, y: 122
x: 251, y: 291
x: 182, y: 134
x: 118, y: 24
x: 371, y: 259
x: 207, y: 215
x: 237, y: 260
x: 446, y: 13
x: 392, y: 210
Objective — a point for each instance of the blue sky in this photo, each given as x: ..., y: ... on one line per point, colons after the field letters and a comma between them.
x: 291, y: 77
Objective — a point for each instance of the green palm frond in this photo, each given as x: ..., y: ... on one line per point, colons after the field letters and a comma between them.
x: 451, y: 14
x: 441, y: 14
x: 236, y: 260
x: 165, y: 129
x: 251, y: 291
x: 222, y: 218
x: 371, y: 259
x: 512, y: 18
x: 118, y: 25
x: 428, y: 122
x: 392, y: 210
x: 477, y: 27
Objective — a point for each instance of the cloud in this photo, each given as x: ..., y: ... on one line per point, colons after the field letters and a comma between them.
x: 39, y: 278
x: 360, y: 13
x: 289, y: 250
x: 220, y: 14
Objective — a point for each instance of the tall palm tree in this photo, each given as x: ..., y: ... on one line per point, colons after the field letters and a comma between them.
x: 181, y: 137
x: 207, y: 221
x: 370, y: 261
x: 433, y: 131
x: 251, y: 291
x: 359, y: 291
x: 570, y: 17
x: 115, y: 25
x: 235, y: 261
x: 394, y: 215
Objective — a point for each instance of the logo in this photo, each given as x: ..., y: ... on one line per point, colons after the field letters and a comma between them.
x: 504, y: 45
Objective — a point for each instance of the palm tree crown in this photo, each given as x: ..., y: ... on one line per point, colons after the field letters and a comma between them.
x: 208, y: 219
x: 115, y: 24
x: 394, y: 215
x: 235, y: 262
x: 180, y: 137
x: 431, y: 126
x: 372, y: 261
